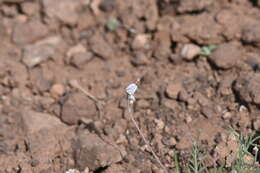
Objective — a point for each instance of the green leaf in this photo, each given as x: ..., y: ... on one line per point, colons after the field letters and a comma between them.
x: 112, y: 24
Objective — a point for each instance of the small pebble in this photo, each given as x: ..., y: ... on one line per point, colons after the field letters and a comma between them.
x: 227, y: 115
x: 160, y: 124
x: 141, y: 41
x: 57, y: 90
x: 188, y: 119
x: 189, y: 51
x: 173, y: 90
x: 86, y: 170
x: 143, y: 103
x: 256, y: 124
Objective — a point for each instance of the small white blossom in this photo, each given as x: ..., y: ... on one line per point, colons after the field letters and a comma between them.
x: 130, y: 90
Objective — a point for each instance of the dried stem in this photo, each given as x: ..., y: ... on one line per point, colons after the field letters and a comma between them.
x: 131, y: 112
x: 99, y: 103
x: 75, y: 84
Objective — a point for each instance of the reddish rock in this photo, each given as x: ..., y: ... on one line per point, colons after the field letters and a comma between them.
x: 79, y: 48
x: 231, y: 23
x: 251, y: 34
x: 35, y: 54
x: 173, y: 89
x: 115, y: 168
x: 12, y: 1
x: 76, y: 107
x: 9, y: 11
x: 191, y: 6
x: 226, y: 55
x: 247, y: 87
x: 34, y: 122
x: 41, y: 51
x: 94, y: 153
x: 40, y: 80
x: 29, y: 32
x: 46, y: 138
x: 101, y: 47
x: 30, y: 8
x: 65, y: 11
x: 57, y: 90
x: 189, y: 51
x: 141, y: 41
x: 140, y: 58
x: 80, y: 59
x: 188, y: 28
x: 163, y: 44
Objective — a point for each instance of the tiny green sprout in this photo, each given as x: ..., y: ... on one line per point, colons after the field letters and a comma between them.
x: 207, y: 50
x: 112, y: 24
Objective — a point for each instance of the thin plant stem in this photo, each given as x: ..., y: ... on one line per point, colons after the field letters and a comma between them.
x: 131, y: 112
x: 77, y: 85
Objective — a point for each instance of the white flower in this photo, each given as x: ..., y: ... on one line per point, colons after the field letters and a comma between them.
x: 130, y: 90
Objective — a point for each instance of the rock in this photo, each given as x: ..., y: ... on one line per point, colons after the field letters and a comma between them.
x: 76, y: 107
x: 227, y: 150
x: 107, y: 5
x: 94, y: 5
x: 35, y: 54
x: 251, y: 34
x: 55, y: 10
x: 30, y: 8
x: 173, y: 89
x: 80, y: 59
x: 142, y: 104
x: 188, y: 28
x: 9, y: 11
x: 50, y: 138
x: 140, y: 59
x: 53, y: 40
x: 40, y: 80
x: 29, y: 32
x: 12, y: 1
x: 209, y: 111
x: 159, y: 124
x: 101, y: 47
x: 92, y: 152
x: 183, y: 144
x: 188, y: 119
x: 231, y: 23
x: 41, y: 51
x: 151, y: 14
x: 227, y: 115
x: 253, y: 60
x: 171, y: 104
x: 78, y: 56
x: 86, y: 170
x: 248, y: 87
x: 226, y: 55
x: 115, y: 168
x: 256, y: 124
x: 162, y: 43
x: 79, y: 48
x: 57, y: 90
x: 189, y: 51
x: 205, y: 33
x: 141, y: 41
x: 191, y: 6
x: 225, y: 85
x: 169, y: 141
x: 36, y: 121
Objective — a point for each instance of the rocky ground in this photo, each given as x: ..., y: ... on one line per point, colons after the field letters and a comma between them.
x: 186, y: 94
